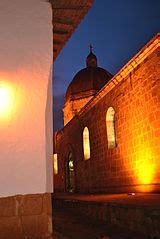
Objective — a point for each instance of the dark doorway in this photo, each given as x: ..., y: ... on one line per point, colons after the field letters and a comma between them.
x: 70, y: 184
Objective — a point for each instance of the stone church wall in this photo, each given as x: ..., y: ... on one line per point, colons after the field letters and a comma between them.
x: 74, y: 106
x: 133, y: 165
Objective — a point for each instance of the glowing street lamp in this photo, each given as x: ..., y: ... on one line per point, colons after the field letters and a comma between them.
x: 5, y: 100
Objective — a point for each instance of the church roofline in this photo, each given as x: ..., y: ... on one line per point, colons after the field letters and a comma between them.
x: 153, y: 44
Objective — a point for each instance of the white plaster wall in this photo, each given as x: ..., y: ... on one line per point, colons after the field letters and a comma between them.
x: 25, y: 66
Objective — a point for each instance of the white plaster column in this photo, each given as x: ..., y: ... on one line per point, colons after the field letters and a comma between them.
x: 25, y: 69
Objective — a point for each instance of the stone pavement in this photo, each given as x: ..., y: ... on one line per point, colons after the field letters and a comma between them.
x: 68, y: 225
x: 124, y: 198
x: 138, y: 213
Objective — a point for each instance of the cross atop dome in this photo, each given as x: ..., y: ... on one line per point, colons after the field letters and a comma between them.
x: 91, y: 60
x: 91, y: 48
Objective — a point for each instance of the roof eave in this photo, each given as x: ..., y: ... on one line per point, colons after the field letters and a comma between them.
x: 67, y: 15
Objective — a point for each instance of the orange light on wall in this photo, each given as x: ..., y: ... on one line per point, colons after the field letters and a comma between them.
x: 6, y: 100
x: 145, y: 170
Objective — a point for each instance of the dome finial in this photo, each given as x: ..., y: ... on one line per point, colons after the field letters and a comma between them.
x: 91, y: 60
x: 91, y: 48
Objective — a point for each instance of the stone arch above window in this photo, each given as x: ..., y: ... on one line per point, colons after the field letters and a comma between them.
x: 86, y: 144
x: 110, y: 125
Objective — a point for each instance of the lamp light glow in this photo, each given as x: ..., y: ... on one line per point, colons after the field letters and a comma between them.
x: 146, y: 172
x: 145, y: 167
x: 6, y: 100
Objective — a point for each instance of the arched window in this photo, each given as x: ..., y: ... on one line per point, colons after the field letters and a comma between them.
x: 86, y: 143
x: 110, y: 125
x: 70, y: 162
x: 55, y: 164
x: 70, y: 180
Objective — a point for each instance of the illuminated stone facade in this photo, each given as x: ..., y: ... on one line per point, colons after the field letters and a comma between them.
x: 133, y: 163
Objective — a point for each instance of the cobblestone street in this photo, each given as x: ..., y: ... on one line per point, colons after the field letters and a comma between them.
x: 71, y: 226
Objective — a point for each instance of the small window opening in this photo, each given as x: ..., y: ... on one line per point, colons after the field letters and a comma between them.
x: 55, y: 164
x: 86, y: 144
x: 110, y: 125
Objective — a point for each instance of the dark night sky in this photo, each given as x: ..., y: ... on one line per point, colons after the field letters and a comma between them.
x: 117, y: 30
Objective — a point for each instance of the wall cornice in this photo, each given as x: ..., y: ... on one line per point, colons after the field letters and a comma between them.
x: 150, y: 47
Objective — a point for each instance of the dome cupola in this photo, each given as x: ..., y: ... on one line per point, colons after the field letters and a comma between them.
x: 85, y: 84
x: 91, y: 60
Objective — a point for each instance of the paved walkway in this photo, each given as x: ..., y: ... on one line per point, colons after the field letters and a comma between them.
x: 138, y: 212
x: 140, y: 199
x: 70, y: 226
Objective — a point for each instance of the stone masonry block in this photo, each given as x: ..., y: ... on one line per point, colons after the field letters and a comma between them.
x: 10, y: 227
x: 31, y: 204
x: 8, y: 207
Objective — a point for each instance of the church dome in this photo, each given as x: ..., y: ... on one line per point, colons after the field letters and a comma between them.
x: 85, y: 84
x: 88, y: 81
